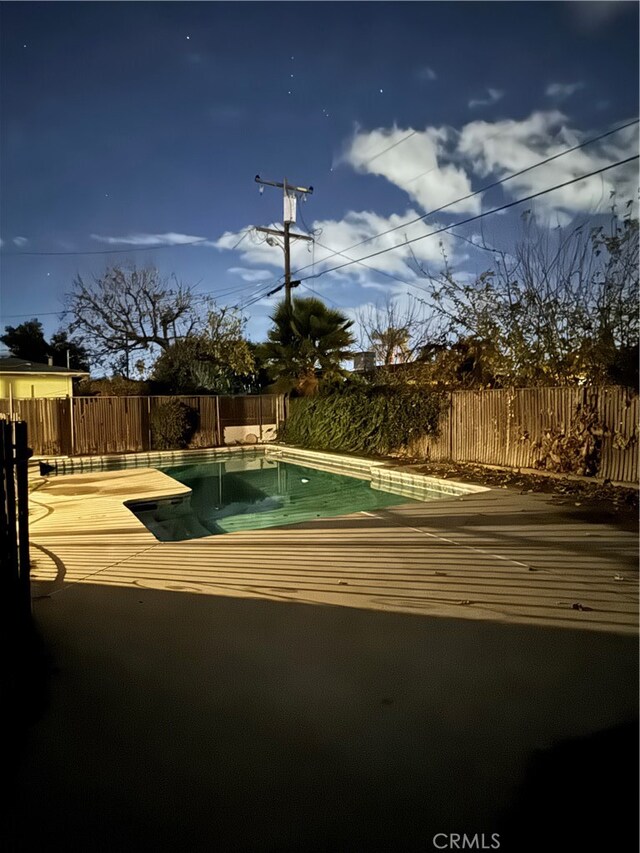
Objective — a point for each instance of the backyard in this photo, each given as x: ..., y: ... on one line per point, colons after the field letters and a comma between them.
x: 319, y: 427
x: 361, y: 682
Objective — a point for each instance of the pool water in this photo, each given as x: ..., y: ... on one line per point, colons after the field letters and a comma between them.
x: 252, y: 494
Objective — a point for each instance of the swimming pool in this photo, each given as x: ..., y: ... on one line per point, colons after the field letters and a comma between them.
x: 252, y: 492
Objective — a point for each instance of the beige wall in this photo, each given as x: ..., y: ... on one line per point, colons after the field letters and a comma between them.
x: 21, y: 386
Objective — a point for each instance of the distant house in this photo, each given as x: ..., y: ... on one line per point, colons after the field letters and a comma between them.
x: 20, y: 379
x: 364, y: 361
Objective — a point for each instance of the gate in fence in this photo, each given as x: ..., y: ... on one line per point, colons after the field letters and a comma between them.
x: 15, y: 589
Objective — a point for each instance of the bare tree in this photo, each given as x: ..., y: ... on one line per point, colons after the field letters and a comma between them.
x: 561, y: 308
x: 129, y: 309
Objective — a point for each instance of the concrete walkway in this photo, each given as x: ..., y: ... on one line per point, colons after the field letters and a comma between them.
x: 363, y: 683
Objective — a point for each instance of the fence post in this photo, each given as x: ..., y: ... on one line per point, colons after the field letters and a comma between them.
x: 10, y: 572
x: 21, y: 461
x: 260, y: 414
x: 73, y: 425
x: 219, y: 441
x: 148, y: 423
x: 14, y: 519
x: 451, y: 426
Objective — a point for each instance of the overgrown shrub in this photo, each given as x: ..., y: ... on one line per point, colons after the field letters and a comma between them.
x: 172, y: 425
x: 575, y: 449
x: 363, y: 419
x: 113, y: 386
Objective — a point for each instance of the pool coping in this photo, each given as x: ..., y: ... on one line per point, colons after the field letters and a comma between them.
x: 382, y: 475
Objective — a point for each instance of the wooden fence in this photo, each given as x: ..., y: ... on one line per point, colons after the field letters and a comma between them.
x: 496, y: 427
x: 86, y: 426
x: 507, y: 426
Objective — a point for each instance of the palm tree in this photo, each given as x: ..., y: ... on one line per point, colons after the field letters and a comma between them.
x: 391, y: 345
x: 304, y: 338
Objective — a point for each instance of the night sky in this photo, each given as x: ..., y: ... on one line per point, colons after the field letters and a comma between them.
x: 129, y: 125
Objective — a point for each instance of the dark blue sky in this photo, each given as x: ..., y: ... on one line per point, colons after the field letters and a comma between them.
x: 128, y: 124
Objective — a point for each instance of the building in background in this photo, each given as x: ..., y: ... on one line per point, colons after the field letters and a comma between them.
x: 20, y: 379
x: 364, y: 361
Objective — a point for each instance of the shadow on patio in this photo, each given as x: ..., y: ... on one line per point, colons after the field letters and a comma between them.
x: 182, y: 722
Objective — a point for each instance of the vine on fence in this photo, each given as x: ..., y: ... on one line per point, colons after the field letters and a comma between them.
x: 364, y: 419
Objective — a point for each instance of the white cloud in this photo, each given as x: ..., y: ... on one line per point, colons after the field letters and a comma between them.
x: 358, y: 226
x: 561, y: 91
x: 251, y: 275
x: 338, y: 235
x: 168, y: 239
x: 252, y: 246
x: 481, y: 149
x: 502, y: 147
x: 493, y: 96
x: 436, y: 166
x: 416, y: 165
x: 20, y: 241
x: 426, y: 74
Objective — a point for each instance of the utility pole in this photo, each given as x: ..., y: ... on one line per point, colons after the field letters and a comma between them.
x: 290, y: 193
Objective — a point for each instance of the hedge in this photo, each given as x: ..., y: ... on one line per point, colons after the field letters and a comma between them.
x: 374, y: 420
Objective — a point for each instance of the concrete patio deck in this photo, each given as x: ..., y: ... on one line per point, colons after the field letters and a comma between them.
x: 490, y: 555
x: 361, y: 683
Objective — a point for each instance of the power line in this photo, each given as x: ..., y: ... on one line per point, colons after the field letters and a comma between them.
x: 123, y: 251
x: 384, y: 150
x: 108, y: 251
x: 200, y: 297
x: 477, y: 192
x: 361, y: 263
x: 334, y: 252
x: 35, y: 314
x: 261, y: 293
x: 481, y: 215
x: 322, y: 296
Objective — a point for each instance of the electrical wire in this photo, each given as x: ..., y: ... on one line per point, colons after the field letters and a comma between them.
x: 481, y: 190
x: 316, y: 241
x: 320, y: 295
x: 480, y: 215
x: 200, y: 297
x: 256, y: 297
x: 108, y: 251
x: 33, y: 314
x: 122, y: 251
x: 384, y: 150
x: 351, y: 261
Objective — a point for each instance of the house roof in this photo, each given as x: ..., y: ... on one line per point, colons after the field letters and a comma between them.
x: 32, y: 368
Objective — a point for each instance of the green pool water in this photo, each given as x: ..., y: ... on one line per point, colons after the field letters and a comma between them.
x: 255, y: 493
